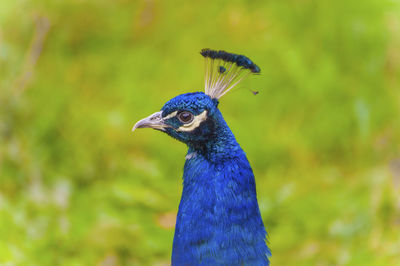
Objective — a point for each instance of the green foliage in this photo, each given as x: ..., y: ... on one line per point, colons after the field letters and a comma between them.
x: 77, y: 188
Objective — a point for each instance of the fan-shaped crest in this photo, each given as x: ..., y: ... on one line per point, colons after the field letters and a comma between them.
x: 224, y: 71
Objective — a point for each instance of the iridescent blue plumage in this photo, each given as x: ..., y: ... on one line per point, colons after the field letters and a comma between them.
x: 218, y: 221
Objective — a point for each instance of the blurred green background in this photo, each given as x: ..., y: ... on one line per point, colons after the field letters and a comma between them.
x: 323, y: 135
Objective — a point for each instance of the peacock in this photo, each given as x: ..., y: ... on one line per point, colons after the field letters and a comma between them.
x: 218, y: 221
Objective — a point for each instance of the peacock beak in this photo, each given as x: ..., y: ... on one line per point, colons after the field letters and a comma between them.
x: 155, y: 121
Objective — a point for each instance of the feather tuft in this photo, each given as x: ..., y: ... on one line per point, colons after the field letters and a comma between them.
x: 225, y: 70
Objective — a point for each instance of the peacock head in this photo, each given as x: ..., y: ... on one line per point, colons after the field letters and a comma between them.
x: 194, y: 117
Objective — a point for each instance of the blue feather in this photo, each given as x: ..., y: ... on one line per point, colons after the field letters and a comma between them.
x: 219, y: 222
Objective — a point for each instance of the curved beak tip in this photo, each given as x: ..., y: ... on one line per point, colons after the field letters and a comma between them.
x: 153, y: 121
x: 139, y: 124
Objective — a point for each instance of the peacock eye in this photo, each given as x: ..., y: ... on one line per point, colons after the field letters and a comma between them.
x: 185, y: 117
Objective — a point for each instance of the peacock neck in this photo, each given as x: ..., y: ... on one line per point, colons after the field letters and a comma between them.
x: 218, y: 212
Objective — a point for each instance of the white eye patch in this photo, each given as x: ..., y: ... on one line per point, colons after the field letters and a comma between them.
x: 170, y: 115
x: 195, y: 123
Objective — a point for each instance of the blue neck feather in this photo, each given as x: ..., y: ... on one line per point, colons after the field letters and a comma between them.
x: 219, y: 222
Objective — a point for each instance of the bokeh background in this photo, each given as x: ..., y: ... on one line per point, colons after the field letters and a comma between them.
x: 323, y: 134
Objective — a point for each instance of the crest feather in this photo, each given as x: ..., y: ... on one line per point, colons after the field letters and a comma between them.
x: 224, y: 71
